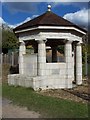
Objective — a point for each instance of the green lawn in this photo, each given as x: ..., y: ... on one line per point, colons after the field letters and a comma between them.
x: 46, y: 106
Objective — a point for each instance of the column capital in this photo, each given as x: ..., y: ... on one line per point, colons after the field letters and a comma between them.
x: 78, y: 44
x: 68, y: 41
x: 41, y: 41
x: 22, y: 43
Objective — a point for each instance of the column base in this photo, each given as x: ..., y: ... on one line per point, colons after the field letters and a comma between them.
x: 79, y: 83
x: 79, y: 80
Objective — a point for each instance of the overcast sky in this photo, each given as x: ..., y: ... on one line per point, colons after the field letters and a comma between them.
x: 15, y: 13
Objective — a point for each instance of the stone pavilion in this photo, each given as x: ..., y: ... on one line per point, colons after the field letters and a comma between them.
x: 49, y: 30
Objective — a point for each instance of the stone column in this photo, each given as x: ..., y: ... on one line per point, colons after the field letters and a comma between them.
x: 41, y: 57
x: 54, y: 54
x: 68, y: 59
x: 22, y: 51
x: 78, y: 64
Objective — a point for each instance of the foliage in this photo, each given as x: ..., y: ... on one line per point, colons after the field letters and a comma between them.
x: 9, y: 40
x: 47, y: 106
x: 84, y: 69
x: 84, y: 49
x: 29, y: 47
x: 60, y: 49
x: 83, y: 53
x: 88, y: 51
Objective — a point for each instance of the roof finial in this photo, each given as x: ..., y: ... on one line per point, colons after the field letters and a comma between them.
x: 49, y: 7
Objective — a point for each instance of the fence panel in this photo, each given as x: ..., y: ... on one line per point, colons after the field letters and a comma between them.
x: 10, y: 58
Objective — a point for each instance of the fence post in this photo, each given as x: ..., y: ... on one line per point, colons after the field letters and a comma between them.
x: 5, y: 58
x: 1, y: 57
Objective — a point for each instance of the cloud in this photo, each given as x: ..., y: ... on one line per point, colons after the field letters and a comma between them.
x: 15, y: 7
x: 34, y: 16
x: 33, y: 7
x: 45, y: 0
x: 13, y: 25
x: 79, y: 17
x: 1, y: 21
x: 76, y: 4
x: 26, y: 20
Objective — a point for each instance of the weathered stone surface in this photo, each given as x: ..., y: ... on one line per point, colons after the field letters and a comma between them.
x: 39, y: 82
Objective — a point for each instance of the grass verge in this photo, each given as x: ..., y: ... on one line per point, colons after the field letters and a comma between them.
x: 47, y: 106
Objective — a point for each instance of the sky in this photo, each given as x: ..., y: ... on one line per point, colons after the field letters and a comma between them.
x: 16, y: 13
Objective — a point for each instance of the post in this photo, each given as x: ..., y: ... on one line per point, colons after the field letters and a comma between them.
x: 22, y: 51
x: 78, y: 64
x: 5, y: 58
x: 41, y: 57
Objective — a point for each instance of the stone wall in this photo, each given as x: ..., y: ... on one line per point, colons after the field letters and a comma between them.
x: 54, y: 75
x: 56, y: 69
x: 20, y: 80
x: 30, y: 64
x: 39, y: 82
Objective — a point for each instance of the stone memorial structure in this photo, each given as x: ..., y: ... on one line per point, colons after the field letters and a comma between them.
x: 49, y: 30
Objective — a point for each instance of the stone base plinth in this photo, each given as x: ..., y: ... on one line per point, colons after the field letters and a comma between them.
x: 39, y: 82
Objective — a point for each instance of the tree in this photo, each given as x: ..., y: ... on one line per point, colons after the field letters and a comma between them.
x: 9, y: 40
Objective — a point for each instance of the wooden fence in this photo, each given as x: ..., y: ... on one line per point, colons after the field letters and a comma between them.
x: 12, y: 58
x: 9, y: 58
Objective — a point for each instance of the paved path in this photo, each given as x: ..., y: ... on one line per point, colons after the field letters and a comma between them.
x: 12, y: 111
